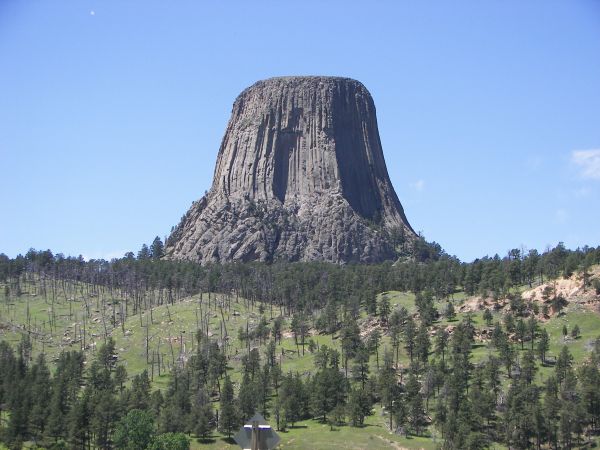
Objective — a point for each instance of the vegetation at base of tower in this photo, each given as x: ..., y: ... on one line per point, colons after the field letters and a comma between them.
x: 141, y: 352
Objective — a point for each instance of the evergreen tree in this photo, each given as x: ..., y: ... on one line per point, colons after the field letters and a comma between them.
x: 422, y: 344
x: 373, y: 344
x: 103, y: 419
x: 450, y: 312
x: 202, y: 416
x: 350, y: 336
x: 294, y: 402
x: 543, y: 345
x: 247, y: 399
x: 144, y: 253
x: 359, y: 406
x: 139, y: 393
x: 575, y: 332
x: 157, y: 249
x: 415, y: 404
x: 487, y: 317
x: 441, y: 342
x: 410, y: 332
x: 78, y: 423
x: 521, y: 332
x: 384, y: 308
x: 40, y: 393
x: 389, y: 390
x: 360, y: 371
x: 228, y: 416
x: 327, y: 392
x: 563, y: 364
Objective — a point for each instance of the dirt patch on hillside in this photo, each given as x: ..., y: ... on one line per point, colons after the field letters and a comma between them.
x: 567, y: 288
x: 571, y: 289
x: 478, y: 303
x: 369, y: 325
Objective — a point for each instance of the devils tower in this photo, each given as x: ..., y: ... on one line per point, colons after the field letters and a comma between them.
x: 300, y: 176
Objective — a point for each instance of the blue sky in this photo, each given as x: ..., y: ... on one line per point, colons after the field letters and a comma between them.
x: 112, y: 112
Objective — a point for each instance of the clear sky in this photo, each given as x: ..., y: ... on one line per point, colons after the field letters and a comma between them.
x: 112, y: 112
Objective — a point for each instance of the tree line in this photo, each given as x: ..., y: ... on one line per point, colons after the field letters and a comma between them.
x: 147, y: 280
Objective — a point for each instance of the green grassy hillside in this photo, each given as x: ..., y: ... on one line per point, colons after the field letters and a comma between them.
x: 157, y: 339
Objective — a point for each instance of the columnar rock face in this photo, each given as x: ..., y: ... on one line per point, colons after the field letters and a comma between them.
x: 300, y: 176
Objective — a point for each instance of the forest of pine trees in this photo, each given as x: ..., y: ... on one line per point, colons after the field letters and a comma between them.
x: 81, y: 406
x: 94, y: 404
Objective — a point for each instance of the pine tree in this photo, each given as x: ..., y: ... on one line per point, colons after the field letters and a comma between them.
x: 441, y: 342
x: 543, y: 345
x: 201, y: 416
x: 327, y: 392
x: 450, y: 312
x: 247, y: 398
x: 373, y: 344
x: 263, y: 391
x: 487, y: 317
x: 532, y: 328
x: 144, y: 253
x: 78, y: 423
x: 563, y: 364
x: 139, y: 393
x: 410, y: 332
x: 157, y: 249
x: 359, y: 406
x: 40, y: 393
x: 120, y: 377
x: 103, y: 419
x: 350, y: 336
x: 228, y: 417
x: 415, y: 403
x: 575, y: 332
x: 389, y: 390
x: 422, y: 343
x: 360, y: 371
x: 521, y: 332
x: 294, y: 399
x: 384, y: 308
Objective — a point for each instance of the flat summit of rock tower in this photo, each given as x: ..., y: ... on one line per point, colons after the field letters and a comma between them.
x: 300, y: 176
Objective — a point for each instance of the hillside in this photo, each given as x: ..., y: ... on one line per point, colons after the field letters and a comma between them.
x: 161, y: 337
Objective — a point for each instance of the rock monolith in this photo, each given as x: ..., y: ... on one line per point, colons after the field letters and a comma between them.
x: 300, y: 176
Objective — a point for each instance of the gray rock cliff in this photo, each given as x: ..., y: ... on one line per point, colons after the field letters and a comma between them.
x: 300, y: 176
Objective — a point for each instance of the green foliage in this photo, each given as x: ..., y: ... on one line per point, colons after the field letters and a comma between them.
x: 384, y: 308
x: 157, y: 249
x: 135, y: 431
x: 575, y: 331
x: 452, y: 390
x: 201, y: 418
x: 487, y: 316
x: 596, y: 285
x: 170, y: 441
x: 359, y: 406
x: 293, y: 400
x: 450, y: 312
x: 229, y: 417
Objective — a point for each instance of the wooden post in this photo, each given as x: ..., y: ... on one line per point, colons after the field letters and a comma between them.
x: 255, y: 436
